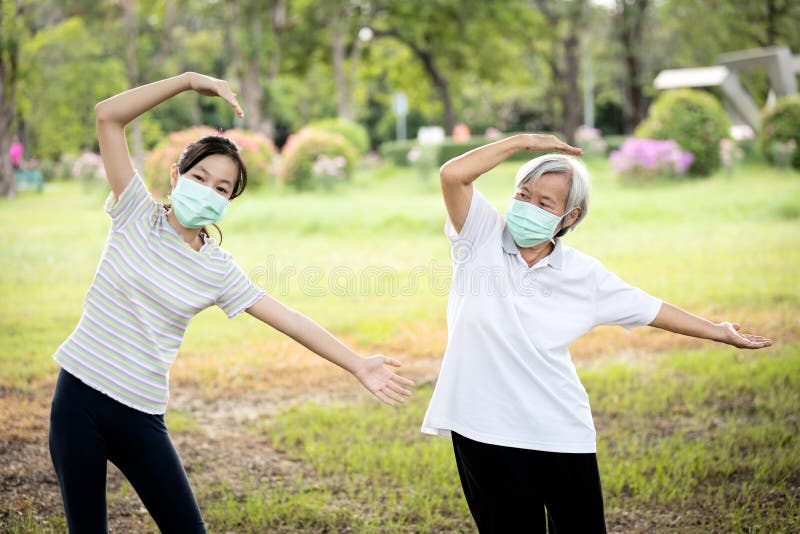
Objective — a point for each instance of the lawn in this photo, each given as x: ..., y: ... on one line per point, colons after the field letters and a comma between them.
x: 692, y: 436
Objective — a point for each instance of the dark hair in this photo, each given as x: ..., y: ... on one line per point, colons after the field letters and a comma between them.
x: 207, y: 146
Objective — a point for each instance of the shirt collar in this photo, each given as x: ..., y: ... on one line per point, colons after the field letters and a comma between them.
x: 555, y: 259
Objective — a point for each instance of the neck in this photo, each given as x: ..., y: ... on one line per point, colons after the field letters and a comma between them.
x: 535, y: 253
x: 190, y: 235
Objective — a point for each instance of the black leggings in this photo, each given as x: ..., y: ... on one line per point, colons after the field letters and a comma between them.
x: 509, y: 489
x: 87, y: 428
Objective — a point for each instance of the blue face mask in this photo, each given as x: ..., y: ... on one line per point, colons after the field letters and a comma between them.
x: 530, y: 225
x: 197, y: 205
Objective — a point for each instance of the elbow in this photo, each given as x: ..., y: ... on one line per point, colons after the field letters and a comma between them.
x: 101, y: 112
x: 447, y: 175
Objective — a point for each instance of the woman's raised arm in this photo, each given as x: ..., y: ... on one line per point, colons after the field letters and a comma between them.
x: 458, y: 174
x: 112, y: 114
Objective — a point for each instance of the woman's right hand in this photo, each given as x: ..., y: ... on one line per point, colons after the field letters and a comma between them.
x: 547, y: 143
x: 208, y: 86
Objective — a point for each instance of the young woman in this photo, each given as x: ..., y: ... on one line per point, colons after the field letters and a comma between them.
x: 508, y: 394
x: 159, y: 268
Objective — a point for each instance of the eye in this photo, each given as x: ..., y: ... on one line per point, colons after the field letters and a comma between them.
x: 198, y: 177
x: 221, y: 190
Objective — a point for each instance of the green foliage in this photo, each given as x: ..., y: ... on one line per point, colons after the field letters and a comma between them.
x: 695, y: 120
x: 67, y: 74
x: 396, y: 152
x: 355, y: 134
x: 257, y: 151
x: 781, y: 125
x: 307, y: 149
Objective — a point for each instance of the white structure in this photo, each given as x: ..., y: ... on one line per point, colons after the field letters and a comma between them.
x: 781, y: 66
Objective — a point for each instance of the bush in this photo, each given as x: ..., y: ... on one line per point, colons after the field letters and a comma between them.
x: 693, y: 119
x: 259, y: 155
x: 257, y: 151
x: 779, y: 127
x: 642, y: 160
x: 397, y: 151
x: 309, y: 156
x: 352, y: 131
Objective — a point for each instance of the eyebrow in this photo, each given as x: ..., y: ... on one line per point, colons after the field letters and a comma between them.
x: 205, y: 171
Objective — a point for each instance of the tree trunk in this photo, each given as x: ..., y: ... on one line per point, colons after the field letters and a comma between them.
x: 571, y: 95
x: 132, y: 70
x: 337, y: 28
x: 441, y: 84
x: 251, y: 75
x: 630, y: 21
x: 277, y: 24
x: 9, y: 65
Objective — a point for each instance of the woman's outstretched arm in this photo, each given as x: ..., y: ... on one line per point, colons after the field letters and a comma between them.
x: 371, y: 372
x: 112, y: 114
x: 682, y: 322
x: 458, y: 174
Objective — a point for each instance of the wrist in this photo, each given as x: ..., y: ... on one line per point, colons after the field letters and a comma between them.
x: 186, y: 80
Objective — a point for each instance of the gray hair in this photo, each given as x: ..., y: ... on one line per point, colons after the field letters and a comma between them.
x: 580, y: 182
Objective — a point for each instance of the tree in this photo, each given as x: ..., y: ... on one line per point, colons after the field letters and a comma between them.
x: 434, y: 32
x: 11, y: 34
x: 630, y: 18
x: 565, y: 20
x: 255, y: 42
x: 70, y: 58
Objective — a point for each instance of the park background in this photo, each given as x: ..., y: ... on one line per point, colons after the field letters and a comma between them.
x: 343, y: 221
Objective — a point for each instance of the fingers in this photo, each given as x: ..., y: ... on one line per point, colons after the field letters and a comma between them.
x: 393, y: 395
x: 569, y: 149
x: 398, y: 389
x: 384, y: 398
x: 230, y: 97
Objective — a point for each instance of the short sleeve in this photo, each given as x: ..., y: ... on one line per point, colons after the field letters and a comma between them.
x: 617, y: 303
x: 133, y: 203
x: 238, y: 292
x: 483, y: 221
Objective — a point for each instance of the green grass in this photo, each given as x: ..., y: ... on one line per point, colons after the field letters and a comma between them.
x: 705, y: 438
x: 709, y: 434
x: 724, y: 242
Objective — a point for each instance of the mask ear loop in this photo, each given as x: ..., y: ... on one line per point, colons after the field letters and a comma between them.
x: 553, y: 239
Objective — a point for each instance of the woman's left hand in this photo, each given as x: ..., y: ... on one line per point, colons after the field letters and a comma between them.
x: 730, y: 334
x: 382, y: 382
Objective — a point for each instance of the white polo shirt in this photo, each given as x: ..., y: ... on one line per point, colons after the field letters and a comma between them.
x: 507, y: 377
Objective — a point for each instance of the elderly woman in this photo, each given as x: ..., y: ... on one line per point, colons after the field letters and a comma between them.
x: 508, y: 394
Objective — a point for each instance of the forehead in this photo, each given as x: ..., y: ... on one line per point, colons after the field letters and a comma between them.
x: 552, y: 184
x: 218, y: 166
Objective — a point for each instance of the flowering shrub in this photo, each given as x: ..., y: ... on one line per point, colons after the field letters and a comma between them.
x: 352, y: 131
x: 257, y: 151
x: 693, y: 119
x: 590, y: 140
x: 302, y: 151
x: 639, y: 159
x: 780, y: 127
x: 88, y: 166
x: 327, y: 170
x: 730, y: 153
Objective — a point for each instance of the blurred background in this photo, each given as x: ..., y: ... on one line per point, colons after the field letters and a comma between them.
x: 689, y: 118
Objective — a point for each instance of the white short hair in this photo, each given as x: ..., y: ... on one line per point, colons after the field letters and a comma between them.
x: 580, y: 181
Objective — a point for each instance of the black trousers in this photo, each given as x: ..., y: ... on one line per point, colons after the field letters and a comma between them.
x: 508, y: 490
x: 87, y: 429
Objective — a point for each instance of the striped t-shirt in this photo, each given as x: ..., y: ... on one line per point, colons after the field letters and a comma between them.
x: 149, y: 284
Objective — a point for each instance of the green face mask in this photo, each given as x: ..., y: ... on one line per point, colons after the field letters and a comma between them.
x: 197, y: 205
x: 530, y: 225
